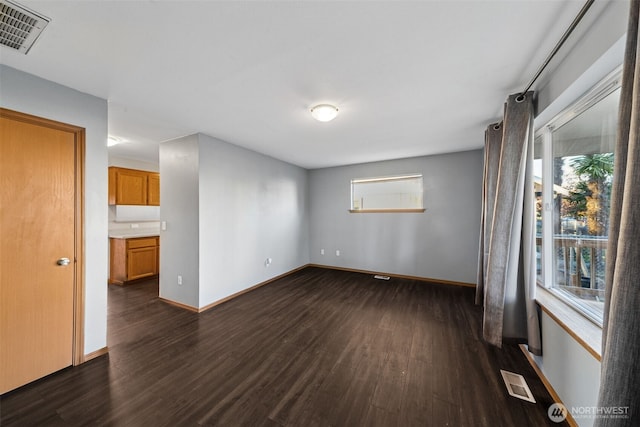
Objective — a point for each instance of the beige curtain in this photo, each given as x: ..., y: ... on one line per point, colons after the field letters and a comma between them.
x: 620, y: 371
x: 506, y: 267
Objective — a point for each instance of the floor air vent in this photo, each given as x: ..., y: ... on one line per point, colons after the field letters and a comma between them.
x: 517, y: 386
x: 19, y: 26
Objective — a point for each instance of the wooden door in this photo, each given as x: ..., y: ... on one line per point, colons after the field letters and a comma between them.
x: 39, y: 205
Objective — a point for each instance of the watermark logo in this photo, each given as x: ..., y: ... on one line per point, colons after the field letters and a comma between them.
x: 557, y: 412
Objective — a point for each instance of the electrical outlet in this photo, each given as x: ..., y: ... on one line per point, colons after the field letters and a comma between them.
x: 179, y: 280
x: 321, y: 251
x: 338, y: 252
x: 268, y: 262
x: 135, y: 225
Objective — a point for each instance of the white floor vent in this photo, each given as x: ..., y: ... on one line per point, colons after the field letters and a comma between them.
x: 19, y: 26
x: 517, y: 386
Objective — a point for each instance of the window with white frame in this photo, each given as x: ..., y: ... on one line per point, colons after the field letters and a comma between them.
x: 573, y: 172
x: 400, y: 193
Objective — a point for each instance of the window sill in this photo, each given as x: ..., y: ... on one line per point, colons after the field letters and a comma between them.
x: 386, y: 210
x: 585, y: 332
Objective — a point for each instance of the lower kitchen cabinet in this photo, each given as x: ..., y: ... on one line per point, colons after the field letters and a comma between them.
x: 133, y: 258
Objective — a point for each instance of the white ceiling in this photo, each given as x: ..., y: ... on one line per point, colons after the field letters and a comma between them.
x: 410, y: 78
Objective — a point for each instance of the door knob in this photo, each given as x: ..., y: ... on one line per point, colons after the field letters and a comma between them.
x: 63, y: 261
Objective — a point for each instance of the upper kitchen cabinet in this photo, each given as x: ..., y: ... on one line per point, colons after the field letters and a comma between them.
x: 153, y: 189
x: 133, y: 187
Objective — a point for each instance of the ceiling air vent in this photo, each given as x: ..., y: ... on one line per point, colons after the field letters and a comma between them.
x: 19, y: 26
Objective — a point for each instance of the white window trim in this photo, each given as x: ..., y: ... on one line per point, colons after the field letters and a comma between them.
x: 402, y: 177
x: 602, y: 89
x: 587, y: 334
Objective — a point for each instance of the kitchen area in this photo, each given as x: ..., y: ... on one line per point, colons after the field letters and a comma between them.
x: 134, y: 221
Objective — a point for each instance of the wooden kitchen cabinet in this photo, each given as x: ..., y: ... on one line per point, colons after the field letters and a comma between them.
x: 134, y: 258
x: 133, y: 187
x: 153, y: 189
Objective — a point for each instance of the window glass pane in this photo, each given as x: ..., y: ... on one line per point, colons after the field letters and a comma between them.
x: 383, y: 193
x: 582, y: 176
x: 537, y: 184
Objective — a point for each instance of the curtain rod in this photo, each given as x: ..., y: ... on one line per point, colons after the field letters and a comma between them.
x: 563, y: 39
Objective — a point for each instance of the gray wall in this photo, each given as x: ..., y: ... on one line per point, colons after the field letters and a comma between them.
x: 179, y: 200
x: 30, y: 94
x: 227, y: 210
x: 252, y: 207
x: 441, y: 243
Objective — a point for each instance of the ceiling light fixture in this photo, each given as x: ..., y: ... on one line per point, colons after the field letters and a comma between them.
x: 113, y: 140
x: 324, y: 112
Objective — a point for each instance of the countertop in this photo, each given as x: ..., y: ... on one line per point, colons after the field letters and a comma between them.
x: 131, y: 234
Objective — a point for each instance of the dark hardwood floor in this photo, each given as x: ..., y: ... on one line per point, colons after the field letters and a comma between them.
x: 316, y: 348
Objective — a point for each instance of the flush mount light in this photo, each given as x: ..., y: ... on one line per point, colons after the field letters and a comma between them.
x: 114, y: 140
x: 324, y: 112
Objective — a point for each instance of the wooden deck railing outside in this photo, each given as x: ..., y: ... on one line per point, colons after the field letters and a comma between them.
x: 575, y: 264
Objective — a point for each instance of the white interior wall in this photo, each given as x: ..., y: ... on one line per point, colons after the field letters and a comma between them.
x: 572, y: 370
x: 32, y: 95
x: 133, y: 163
x: 594, y: 44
